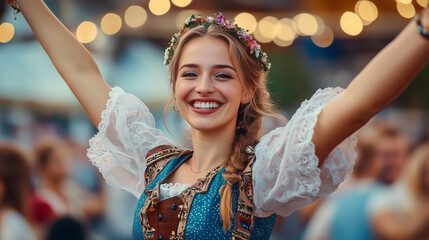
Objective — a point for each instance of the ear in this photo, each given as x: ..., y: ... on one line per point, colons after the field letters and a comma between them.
x: 247, y: 95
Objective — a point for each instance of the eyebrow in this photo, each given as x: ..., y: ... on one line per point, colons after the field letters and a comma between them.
x: 191, y: 65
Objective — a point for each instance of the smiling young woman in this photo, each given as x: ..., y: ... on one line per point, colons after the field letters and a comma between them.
x: 233, y: 182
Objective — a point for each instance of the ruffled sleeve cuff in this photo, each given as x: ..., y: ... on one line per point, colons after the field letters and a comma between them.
x: 286, y: 176
x: 125, y: 133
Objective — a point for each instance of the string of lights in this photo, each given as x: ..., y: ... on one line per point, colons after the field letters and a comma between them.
x: 268, y: 29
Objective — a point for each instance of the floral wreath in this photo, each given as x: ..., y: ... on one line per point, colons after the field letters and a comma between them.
x: 251, y: 46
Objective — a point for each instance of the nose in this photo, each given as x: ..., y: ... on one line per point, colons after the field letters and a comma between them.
x: 204, y: 85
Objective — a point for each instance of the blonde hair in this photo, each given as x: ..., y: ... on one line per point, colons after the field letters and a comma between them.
x: 250, y: 115
x: 416, y: 171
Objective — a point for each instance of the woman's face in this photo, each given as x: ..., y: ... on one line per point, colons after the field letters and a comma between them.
x: 208, y: 90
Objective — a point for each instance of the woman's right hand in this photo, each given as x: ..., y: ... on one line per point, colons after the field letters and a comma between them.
x: 71, y: 59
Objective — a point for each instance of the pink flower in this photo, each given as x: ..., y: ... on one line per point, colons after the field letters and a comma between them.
x: 252, y: 45
x: 228, y: 24
x: 247, y: 38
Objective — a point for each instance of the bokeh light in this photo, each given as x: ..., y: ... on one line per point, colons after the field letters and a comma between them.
x: 323, y: 39
x: 423, y: 3
x: 367, y: 11
x: 282, y: 43
x: 7, y: 31
x: 307, y: 24
x: 135, y: 16
x: 266, y: 27
x: 111, y: 23
x: 406, y: 10
x: 285, y: 30
x: 86, y: 32
x: 181, y: 3
x: 159, y: 7
x: 247, y: 21
x: 260, y: 37
x: 351, y: 23
x: 404, y: 1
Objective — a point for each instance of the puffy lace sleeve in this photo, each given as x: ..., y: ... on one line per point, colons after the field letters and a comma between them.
x: 125, y: 134
x: 286, y: 176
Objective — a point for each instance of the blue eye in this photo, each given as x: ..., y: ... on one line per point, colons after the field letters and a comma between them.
x: 189, y: 74
x: 223, y: 75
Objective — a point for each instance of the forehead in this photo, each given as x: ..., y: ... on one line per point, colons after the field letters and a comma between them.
x: 206, y: 51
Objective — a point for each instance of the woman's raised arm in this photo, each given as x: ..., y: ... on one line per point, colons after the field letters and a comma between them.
x: 71, y: 59
x: 381, y: 81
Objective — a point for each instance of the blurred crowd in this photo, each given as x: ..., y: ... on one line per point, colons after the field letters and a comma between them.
x: 49, y: 190
x: 386, y: 197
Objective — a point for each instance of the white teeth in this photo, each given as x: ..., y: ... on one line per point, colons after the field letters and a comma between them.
x: 205, y: 105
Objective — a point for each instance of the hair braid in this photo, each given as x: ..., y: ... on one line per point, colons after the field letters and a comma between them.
x: 250, y: 122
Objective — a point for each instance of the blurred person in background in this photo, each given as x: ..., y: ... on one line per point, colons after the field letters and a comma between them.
x: 343, y: 214
x: 218, y: 77
x: 15, y: 185
x: 405, y: 215
x: 57, y: 189
x: 51, y: 163
x: 393, y: 147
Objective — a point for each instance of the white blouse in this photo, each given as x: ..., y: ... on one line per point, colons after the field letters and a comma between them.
x: 286, y: 176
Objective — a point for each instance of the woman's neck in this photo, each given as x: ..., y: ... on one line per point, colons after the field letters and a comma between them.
x: 211, y: 148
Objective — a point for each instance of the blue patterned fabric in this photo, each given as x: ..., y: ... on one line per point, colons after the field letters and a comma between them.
x: 204, y: 219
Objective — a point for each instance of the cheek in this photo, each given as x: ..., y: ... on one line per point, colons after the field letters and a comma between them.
x: 232, y: 92
x: 182, y: 91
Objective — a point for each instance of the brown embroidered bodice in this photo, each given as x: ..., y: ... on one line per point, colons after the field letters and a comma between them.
x: 167, y: 219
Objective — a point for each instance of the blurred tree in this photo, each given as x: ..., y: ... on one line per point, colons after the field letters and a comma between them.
x: 288, y: 81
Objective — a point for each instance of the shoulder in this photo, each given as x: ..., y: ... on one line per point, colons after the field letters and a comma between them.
x: 163, y: 152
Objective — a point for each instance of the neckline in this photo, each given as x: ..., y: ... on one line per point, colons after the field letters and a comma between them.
x: 200, y: 184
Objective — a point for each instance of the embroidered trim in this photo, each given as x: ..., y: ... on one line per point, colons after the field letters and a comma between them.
x: 156, y: 160
x: 244, y: 217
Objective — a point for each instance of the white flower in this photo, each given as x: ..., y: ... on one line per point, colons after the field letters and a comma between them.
x: 166, y: 55
x: 242, y: 32
x: 188, y: 20
x: 264, y: 57
x: 176, y: 35
x: 210, y: 19
x: 269, y: 66
x: 257, y: 51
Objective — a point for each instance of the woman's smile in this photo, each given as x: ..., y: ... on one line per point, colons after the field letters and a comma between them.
x: 205, y: 106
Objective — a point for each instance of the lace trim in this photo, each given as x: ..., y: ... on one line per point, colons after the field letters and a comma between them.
x: 306, y: 162
x: 314, y: 111
x: 309, y: 167
x: 168, y: 190
x: 97, y: 152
